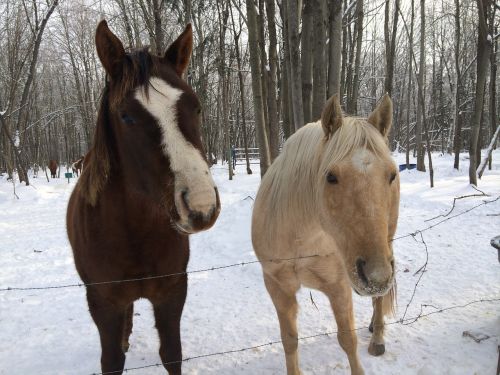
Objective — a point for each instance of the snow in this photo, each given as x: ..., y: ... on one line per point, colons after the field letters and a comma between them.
x: 51, y: 332
x: 16, y: 139
x: 492, y: 144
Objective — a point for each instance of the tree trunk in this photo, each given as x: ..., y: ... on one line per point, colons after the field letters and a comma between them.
x: 307, y: 58
x: 295, y: 68
x: 272, y: 82
x: 242, y: 92
x: 334, y: 46
x: 157, y: 5
x: 223, y: 13
x: 390, y: 45
x: 352, y: 105
x: 457, y: 138
x: 483, y: 52
x: 256, y: 87
x: 421, y: 78
x: 493, y: 80
x: 410, y: 73
x: 263, y: 66
x: 319, y: 61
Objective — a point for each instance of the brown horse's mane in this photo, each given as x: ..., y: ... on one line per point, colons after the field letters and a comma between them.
x: 136, y: 71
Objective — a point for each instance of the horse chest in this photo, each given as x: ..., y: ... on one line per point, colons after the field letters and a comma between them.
x: 319, y: 272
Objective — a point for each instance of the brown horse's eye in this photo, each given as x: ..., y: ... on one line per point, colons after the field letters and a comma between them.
x: 127, y: 119
x: 331, y: 178
x: 393, y: 177
x: 199, y: 111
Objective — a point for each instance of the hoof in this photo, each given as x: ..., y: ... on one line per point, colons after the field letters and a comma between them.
x: 376, y: 349
x: 370, y: 328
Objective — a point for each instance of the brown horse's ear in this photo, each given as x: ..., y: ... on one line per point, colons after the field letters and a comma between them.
x: 179, y: 52
x: 109, y: 49
x: 381, y: 117
x: 331, y: 117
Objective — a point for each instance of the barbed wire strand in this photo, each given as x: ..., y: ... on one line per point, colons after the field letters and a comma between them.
x: 239, y: 264
x: 412, y: 234
x: 403, y: 321
x: 421, y: 270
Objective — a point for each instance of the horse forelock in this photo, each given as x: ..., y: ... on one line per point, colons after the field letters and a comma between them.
x: 355, y: 134
x: 137, y: 69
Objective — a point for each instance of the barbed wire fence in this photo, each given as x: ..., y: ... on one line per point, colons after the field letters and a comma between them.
x: 403, y: 320
x: 239, y: 264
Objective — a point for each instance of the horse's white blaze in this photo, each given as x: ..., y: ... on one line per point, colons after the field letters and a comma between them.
x: 362, y: 159
x: 191, y: 170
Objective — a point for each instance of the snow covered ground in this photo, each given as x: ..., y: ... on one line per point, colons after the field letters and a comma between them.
x: 51, y: 332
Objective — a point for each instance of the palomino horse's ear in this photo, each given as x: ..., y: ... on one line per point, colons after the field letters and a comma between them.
x: 179, y: 52
x: 381, y: 117
x: 331, y: 117
x: 109, y: 49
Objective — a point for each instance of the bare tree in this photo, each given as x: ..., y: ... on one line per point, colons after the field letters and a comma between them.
x: 257, y: 88
x: 334, y: 50
x: 483, y: 53
x: 294, y: 60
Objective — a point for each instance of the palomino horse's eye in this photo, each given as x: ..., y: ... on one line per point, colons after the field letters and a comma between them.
x: 331, y: 178
x: 393, y: 177
x: 127, y: 119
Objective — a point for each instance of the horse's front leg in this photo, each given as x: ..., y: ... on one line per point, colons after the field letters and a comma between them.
x: 340, y: 296
x: 110, y: 321
x: 377, y: 343
x: 168, y: 313
x: 285, y: 302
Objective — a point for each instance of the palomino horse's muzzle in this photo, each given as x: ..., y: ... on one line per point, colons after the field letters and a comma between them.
x: 374, y: 277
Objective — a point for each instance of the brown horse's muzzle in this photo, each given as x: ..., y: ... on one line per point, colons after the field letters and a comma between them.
x: 197, y: 210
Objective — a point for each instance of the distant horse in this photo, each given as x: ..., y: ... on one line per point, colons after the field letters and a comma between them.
x: 53, y: 168
x: 146, y: 185
x: 77, y: 166
x: 332, y: 199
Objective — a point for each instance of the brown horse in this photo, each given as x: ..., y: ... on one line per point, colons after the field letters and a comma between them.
x: 53, y: 168
x: 332, y: 199
x: 77, y: 166
x: 146, y: 185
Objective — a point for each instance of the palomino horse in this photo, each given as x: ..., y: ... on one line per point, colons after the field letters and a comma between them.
x: 77, y: 166
x: 53, y: 168
x: 146, y: 185
x: 330, y: 199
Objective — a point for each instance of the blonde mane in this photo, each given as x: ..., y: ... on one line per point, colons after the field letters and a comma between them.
x: 290, y: 186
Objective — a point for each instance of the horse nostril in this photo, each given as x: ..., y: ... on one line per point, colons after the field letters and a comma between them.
x: 360, y: 263
x: 392, y: 265
x: 184, y: 198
